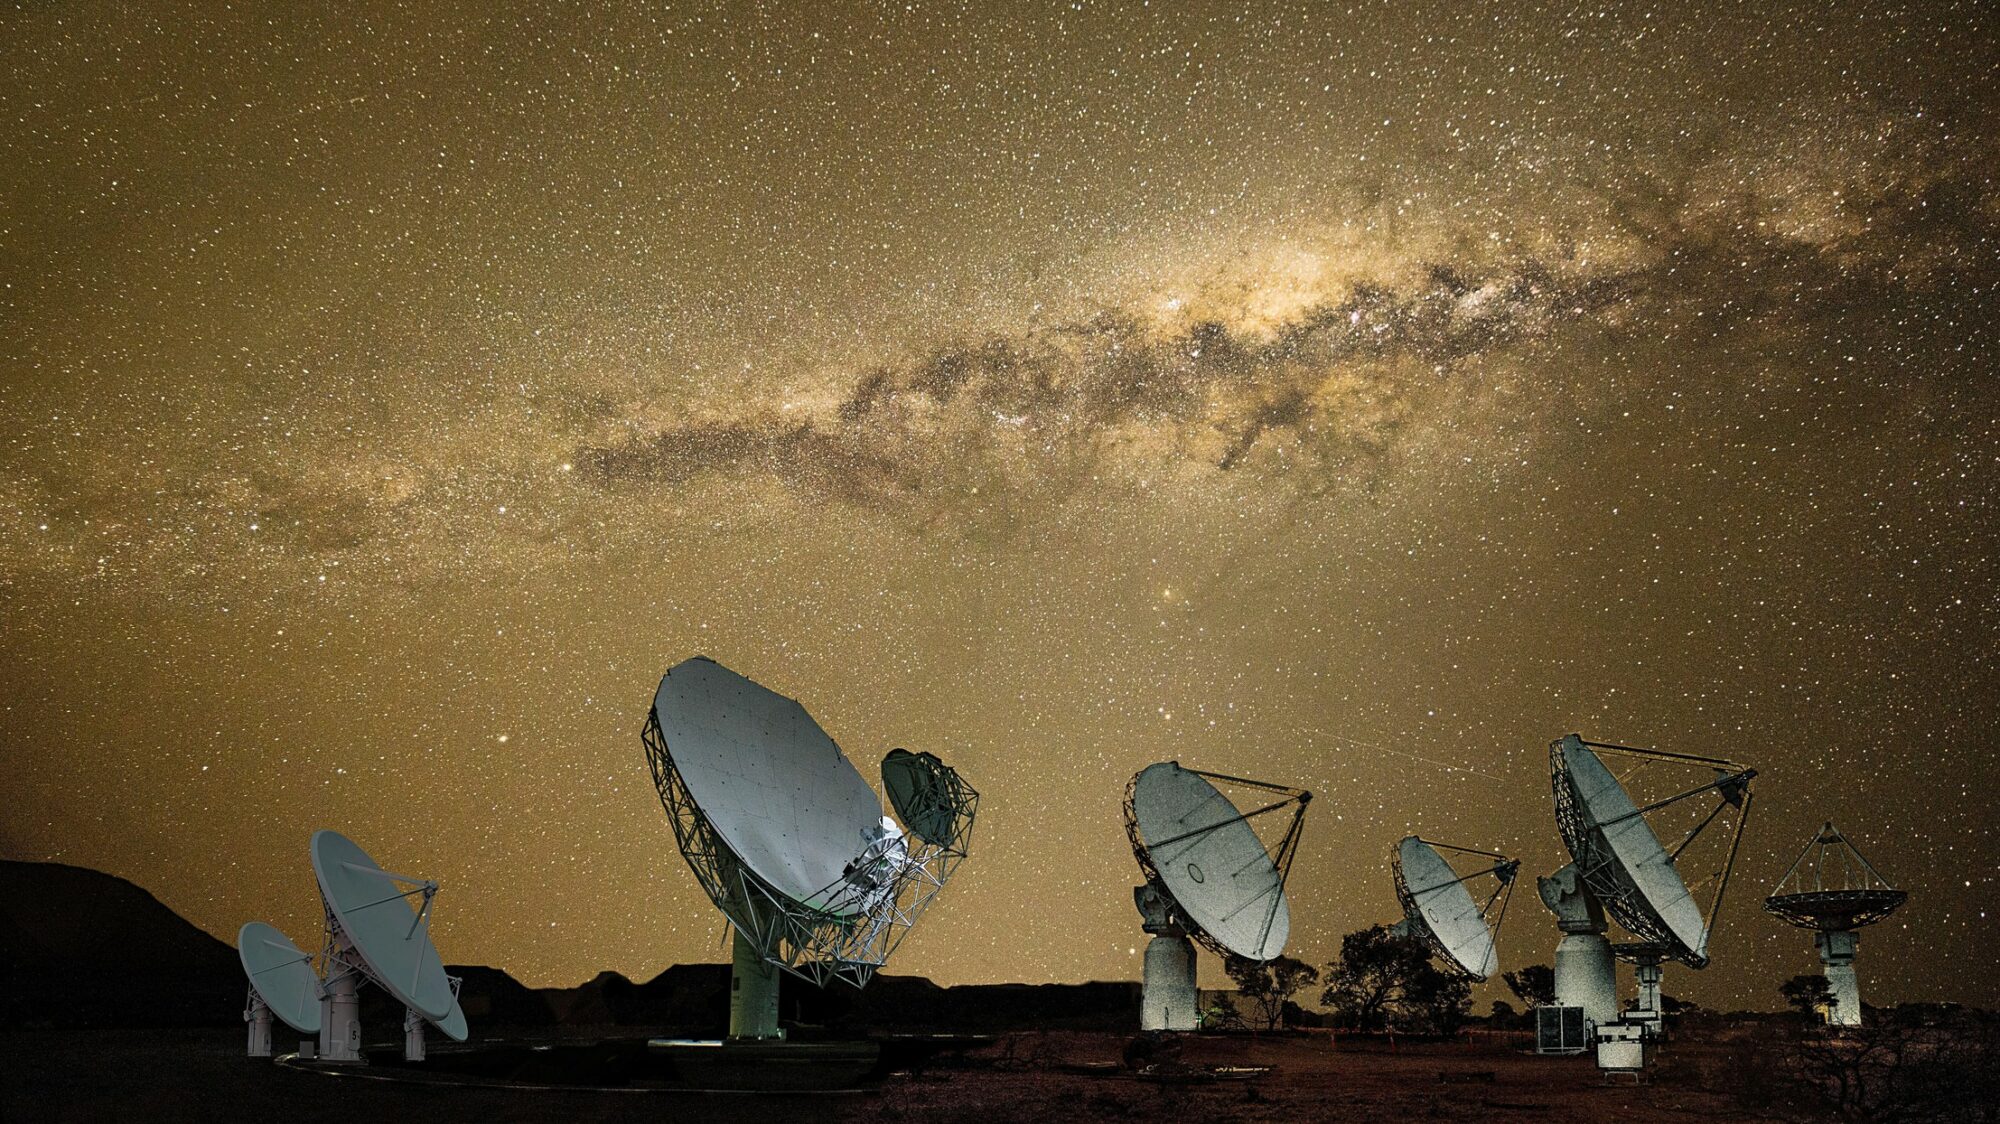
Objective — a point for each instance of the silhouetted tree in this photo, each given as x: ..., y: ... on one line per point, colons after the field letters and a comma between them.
x: 1807, y: 994
x: 1223, y: 1014
x: 1437, y: 1002
x: 1268, y: 984
x: 1384, y: 980
x: 1534, y: 985
x: 1503, y: 1015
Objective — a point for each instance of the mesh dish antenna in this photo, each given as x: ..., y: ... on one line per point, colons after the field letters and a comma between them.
x: 1833, y: 890
x: 1199, y: 854
x: 929, y: 797
x: 282, y: 983
x: 374, y: 932
x: 1439, y: 905
x: 788, y: 840
x: 1830, y: 887
x: 1623, y: 862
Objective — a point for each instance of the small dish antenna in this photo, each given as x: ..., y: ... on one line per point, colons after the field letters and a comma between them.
x: 929, y: 797
x: 1440, y: 909
x: 282, y: 983
x: 788, y: 840
x: 1622, y: 862
x: 1834, y: 891
x: 1209, y: 879
x: 377, y: 933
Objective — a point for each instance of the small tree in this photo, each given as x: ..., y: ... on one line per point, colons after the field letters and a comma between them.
x: 1503, y: 1015
x: 1534, y: 985
x: 1267, y: 985
x: 1808, y: 994
x: 1223, y: 1014
x: 1436, y: 1002
x: 1383, y: 979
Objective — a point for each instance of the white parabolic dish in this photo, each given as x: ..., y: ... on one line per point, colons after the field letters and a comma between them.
x: 453, y: 1023
x: 773, y: 786
x: 1642, y: 860
x: 374, y: 909
x: 1222, y: 878
x: 282, y: 974
x: 1445, y: 906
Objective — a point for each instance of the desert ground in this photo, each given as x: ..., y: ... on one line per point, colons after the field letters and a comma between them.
x: 201, y: 1075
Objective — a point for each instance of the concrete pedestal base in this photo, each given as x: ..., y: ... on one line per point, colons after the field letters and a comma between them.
x: 753, y: 995
x: 340, y: 1020
x: 1836, y: 957
x: 1170, y: 1000
x: 1587, y: 977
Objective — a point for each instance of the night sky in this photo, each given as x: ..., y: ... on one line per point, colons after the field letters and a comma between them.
x: 1356, y: 398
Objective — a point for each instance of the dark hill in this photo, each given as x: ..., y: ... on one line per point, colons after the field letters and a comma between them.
x: 693, y: 999
x: 491, y: 997
x: 685, y: 998
x: 912, y: 1003
x: 82, y: 948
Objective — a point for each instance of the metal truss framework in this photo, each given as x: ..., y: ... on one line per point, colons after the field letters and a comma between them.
x: 1846, y: 891
x: 856, y: 928
x: 1503, y: 871
x: 939, y: 797
x: 1295, y: 798
x: 1606, y: 877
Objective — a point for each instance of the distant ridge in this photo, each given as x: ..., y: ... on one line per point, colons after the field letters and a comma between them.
x: 82, y: 948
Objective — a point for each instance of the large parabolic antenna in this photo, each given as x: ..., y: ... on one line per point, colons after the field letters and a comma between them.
x: 282, y: 983
x: 1439, y: 905
x: 1834, y: 891
x: 373, y: 909
x: 375, y: 931
x: 1209, y: 878
x: 1621, y: 860
x: 785, y: 836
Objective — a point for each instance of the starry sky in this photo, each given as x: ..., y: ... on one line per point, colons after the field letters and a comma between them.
x: 1355, y: 397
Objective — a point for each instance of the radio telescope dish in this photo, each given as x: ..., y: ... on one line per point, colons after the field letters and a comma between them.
x: 1439, y: 904
x: 372, y: 908
x: 928, y: 796
x: 453, y: 1024
x: 1623, y: 862
x: 775, y: 790
x: 281, y: 974
x: 1200, y: 853
x: 373, y: 934
x: 1834, y: 891
x: 788, y: 840
x: 1832, y: 888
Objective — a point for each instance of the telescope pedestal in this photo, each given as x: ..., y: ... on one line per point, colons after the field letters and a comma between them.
x: 1648, y: 1013
x: 1169, y: 1000
x: 340, y: 1019
x: 258, y: 1015
x: 1587, y: 976
x: 1586, y: 973
x: 753, y: 995
x: 1836, y: 957
x: 413, y: 1035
